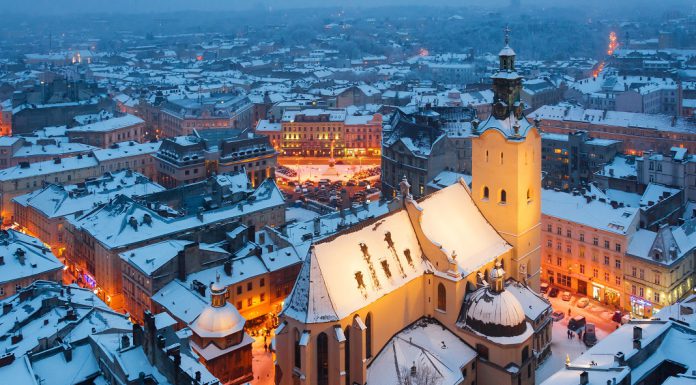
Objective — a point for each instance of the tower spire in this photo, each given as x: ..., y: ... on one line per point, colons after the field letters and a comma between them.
x: 507, y: 34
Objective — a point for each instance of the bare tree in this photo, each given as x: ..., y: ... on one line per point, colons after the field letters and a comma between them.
x: 419, y: 375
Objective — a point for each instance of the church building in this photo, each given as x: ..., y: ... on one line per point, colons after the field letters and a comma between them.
x: 419, y: 295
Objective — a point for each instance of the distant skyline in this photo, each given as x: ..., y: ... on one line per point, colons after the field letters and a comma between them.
x: 63, y: 7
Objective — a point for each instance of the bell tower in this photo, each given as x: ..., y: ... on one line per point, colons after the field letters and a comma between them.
x: 506, y: 172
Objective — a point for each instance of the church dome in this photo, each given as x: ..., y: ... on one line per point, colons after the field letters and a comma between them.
x: 495, y: 314
x: 218, y: 322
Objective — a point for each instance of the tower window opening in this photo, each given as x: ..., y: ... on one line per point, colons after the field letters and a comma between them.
x: 485, y: 192
x: 503, y: 196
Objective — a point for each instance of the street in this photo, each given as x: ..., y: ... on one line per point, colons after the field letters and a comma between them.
x: 561, y: 345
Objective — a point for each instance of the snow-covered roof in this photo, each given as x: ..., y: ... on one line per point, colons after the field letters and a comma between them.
x: 109, y: 124
x: 23, y: 257
x: 151, y: 257
x: 667, y: 341
x: 592, y: 213
x: 386, y: 255
x: 427, y: 345
x: 57, y: 201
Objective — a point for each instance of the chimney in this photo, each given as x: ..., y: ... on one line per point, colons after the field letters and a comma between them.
x: 6, y: 359
x: 133, y: 223
x: 56, y: 160
x: 67, y: 352
x: 636, y: 344
x: 160, y: 341
x: 637, y: 333
x: 147, y: 219
x: 620, y: 359
x: 6, y: 308
x: 584, y: 378
x: 228, y: 268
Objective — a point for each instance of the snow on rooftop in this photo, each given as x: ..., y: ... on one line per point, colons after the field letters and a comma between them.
x: 107, y: 125
x: 595, y: 214
x: 427, y: 344
x: 24, y: 257
x: 151, y: 257
x: 465, y: 231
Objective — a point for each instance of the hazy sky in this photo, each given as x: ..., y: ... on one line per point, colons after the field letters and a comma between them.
x: 44, y: 7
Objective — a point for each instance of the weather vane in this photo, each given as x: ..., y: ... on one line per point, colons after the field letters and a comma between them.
x: 507, y: 34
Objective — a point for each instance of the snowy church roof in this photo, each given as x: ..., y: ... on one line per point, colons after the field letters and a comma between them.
x: 383, y: 255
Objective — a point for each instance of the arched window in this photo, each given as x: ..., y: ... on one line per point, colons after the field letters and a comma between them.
x: 529, y: 195
x: 368, y: 336
x: 347, y: 354
x: 298, y: 355
x: 485, y: 192
x: 501, y: 158
x: 322, y: 359
x: 525, y: 354
x: 486, y: 156
x: 441, y: 297
x: 503, y: 196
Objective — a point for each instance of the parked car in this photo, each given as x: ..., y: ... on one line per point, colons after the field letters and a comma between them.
x: 557, y: 316
x: 577, y: 323
x: 620, y: 318
x: 582, y: 302
x: 566, y: 296
x: 544, y: 287
x: 553, y: 293
x: 589, y: 336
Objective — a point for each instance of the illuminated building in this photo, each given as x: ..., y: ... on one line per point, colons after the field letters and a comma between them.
x: 181, y: 116
x: 219, y: 338
x: 438, y: 260
x: 584, y: 242
x: 318, y: 132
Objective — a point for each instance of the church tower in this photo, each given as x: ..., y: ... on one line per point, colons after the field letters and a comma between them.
x: 506, y: 171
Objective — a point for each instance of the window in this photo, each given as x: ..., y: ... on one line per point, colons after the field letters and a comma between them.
x: 606, y: 260
x: 2, y: 291
x: 298, y: 355
x: 582, y: 269
x: 18, y: 288
x: 529, y: 195
x: 250, y: 285
x: 641, y: 291
x: 249, y: 302
x: 568, y: 248
x: 441, y: 297
x: 617, y: 280
x: 558, y: 245
x: 503, y: 196
x: 633, y: 289
x: 262, y: 297
x: 559, y: 261
x: 617, y: 263
x: 595, y: 273
x: 642, y: 274
x: 262, y: 282
x: 582, y: 237
x: 368, y: 336
x: 595, y: 241
x: 239, y: 305
x: 525, y: 354
x: 658, y: 279
x: 482, y: 351
x: 485, y: 192
x: 322, y: 359
x: 549, y: 228
x: 239, y: 289
x: 606, y: 277
x: 633, y: 272
x: 501, y: 158
x: 549, y: 243
x: 569, y: 233
x: 656, y: 297
x: 617, y: 247
x: 606, y: 244
x: 559, y: 231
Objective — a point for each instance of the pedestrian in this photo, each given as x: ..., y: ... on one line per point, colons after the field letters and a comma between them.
x: 580, y: 335
x: 265, y: 347
x: 568, y: 312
